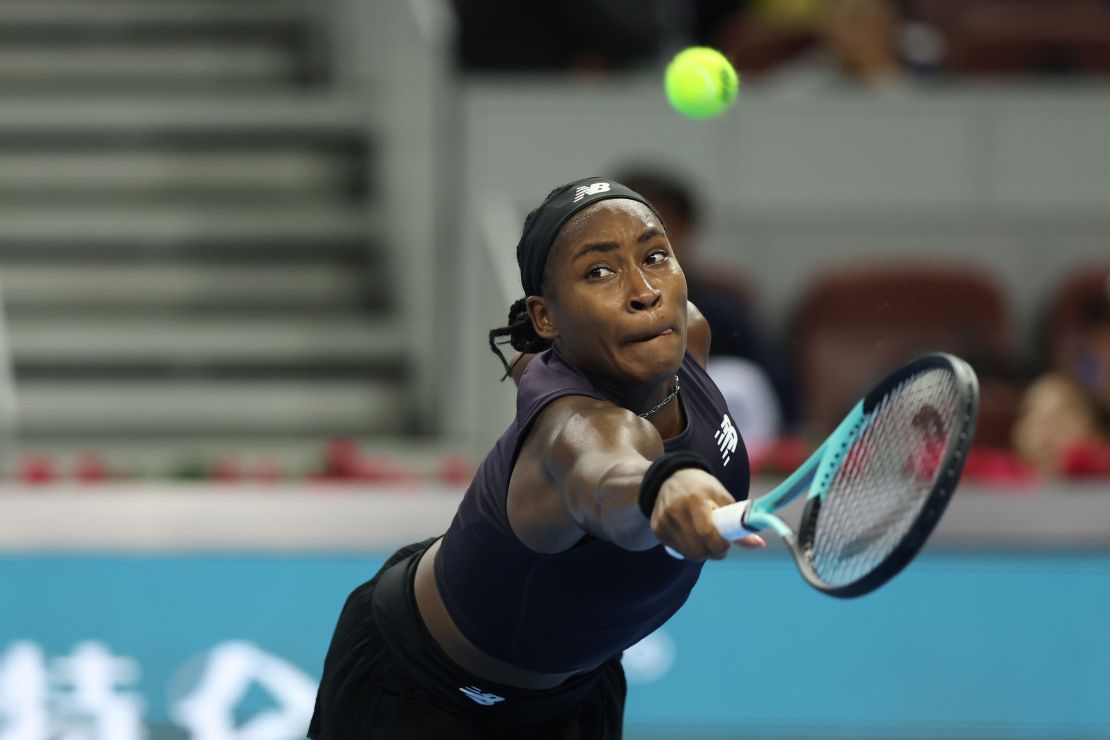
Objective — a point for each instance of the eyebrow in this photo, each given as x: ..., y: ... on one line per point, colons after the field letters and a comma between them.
x: 649, y: 234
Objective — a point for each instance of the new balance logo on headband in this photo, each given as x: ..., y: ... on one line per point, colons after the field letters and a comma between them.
x: 583, y: 190
x: 481, y: 697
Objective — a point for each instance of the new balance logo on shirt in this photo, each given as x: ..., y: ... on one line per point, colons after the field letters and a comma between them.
x: 583, y: 190
x: 484, y: 698
x: 727, y: 438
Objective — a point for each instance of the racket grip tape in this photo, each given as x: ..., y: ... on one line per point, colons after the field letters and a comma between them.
x: 729, y: 521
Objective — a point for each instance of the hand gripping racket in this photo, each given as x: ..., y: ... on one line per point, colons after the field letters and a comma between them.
x: 878, y: 485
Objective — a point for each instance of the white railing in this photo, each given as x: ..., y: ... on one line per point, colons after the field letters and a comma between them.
x: 206, y: 518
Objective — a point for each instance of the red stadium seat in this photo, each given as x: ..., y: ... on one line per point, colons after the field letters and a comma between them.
x: 1066, y: 316
x: 855, y: 325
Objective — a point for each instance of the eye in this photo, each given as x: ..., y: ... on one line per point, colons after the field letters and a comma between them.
x: 599, y: 272
x: 656, y: 257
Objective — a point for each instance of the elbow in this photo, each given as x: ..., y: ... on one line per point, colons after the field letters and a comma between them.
x: 636, y: 538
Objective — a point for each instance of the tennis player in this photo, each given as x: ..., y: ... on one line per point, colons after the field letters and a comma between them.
x: 512, y: 624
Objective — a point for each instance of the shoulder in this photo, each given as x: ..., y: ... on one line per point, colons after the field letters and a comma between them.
x: 698, y: 334
x: 574, y: 425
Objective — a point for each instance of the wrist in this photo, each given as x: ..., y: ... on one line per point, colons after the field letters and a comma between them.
x: 660, y: 470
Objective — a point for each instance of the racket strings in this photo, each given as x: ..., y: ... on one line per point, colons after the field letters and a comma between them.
x: 885, y: 477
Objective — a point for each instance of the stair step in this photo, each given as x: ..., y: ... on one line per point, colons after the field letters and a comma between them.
x: 184, y: 286
x: 82, y: 14
x: 191, y: 342
x: 267, y: 172
x: 251, y: 116
x: 217, y: 407
x: 184, y: 223
x: 209, y: 64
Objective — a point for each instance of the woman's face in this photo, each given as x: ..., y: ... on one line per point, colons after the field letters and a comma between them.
x: 614, y: 295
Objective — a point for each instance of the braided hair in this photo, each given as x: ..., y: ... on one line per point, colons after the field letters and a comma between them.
x: 521, y: 333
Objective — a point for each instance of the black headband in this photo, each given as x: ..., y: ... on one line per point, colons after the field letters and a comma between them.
x: 536, y: 241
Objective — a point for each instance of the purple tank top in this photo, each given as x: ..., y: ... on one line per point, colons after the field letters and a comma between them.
x: 571, y: 610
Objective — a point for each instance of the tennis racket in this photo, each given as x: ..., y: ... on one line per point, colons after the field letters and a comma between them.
x: 877, y: 487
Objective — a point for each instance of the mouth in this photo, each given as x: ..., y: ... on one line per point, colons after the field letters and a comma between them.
x: 648, y: 337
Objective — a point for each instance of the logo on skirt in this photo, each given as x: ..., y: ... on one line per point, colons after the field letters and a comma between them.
x: 484, y: 698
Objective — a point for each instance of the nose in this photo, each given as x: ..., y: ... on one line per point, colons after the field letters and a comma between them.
x: 642, y: 294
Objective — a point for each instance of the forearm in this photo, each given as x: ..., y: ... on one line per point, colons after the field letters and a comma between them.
x: 616, y: 516
x: 607, y: 497
x: 680, y: 493
x: 597, y: 460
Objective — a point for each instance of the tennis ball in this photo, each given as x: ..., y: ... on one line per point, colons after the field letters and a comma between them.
x: 700, y: 82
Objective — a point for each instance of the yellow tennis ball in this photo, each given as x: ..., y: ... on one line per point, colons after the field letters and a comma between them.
x: 700, y: 82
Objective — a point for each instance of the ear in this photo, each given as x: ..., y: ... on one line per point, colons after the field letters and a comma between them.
x: 542, y: 320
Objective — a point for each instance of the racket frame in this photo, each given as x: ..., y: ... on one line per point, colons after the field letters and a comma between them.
x: 948, y: 476
x: 814, y: 476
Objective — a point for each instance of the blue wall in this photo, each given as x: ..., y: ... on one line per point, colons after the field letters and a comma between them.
x: 970, y: 644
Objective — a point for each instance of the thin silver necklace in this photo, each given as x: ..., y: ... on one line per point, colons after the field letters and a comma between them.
x: 664, y: 402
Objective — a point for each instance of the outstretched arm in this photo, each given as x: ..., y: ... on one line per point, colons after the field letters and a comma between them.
x: 593, y: 457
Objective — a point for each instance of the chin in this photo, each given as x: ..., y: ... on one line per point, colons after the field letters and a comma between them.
x: 658, y: 365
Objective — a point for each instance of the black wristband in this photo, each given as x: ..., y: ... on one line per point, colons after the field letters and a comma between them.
x: 660, y: 470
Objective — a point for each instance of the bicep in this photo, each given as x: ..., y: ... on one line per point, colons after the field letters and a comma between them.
x: 596, y: 461
x: 575, y: 444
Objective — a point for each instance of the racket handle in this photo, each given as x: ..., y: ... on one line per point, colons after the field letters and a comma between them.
x: 729, y: 521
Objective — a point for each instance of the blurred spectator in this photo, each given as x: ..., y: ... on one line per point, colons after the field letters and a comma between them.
x: 1056, y: 417
x: 807, y: 45
x: 1064, y: 423
x: 861, y: 37
x: 857, y: 44
x: 986, y: 38
x: 796, y: 44
x: 753, y: 374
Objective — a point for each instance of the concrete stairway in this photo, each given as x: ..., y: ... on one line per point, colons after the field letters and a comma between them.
x: 189, y: 250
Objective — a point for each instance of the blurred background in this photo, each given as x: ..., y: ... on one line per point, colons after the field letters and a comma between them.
x: 250, y: 251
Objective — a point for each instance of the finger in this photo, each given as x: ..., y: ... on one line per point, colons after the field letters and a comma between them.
x: 699, y: 538
x: 673, y: 529
x: 701, y: 522
x: 692, y: 539
x: 717, y: 547
x: 751, y: 542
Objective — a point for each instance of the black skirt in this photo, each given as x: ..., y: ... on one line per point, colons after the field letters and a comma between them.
x: 386, y: 677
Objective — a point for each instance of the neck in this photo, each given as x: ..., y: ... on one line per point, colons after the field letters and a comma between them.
x: 641, y: 399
